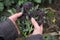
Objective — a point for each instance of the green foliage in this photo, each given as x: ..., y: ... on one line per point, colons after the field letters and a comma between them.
x: 1, y: 6
x: 3, y: 18
x: 20, y: 2
x: 9, y: 7
x: 26, y: 30
x: 50, y: 15
x: 42, y: 1
x: 37, y: 1
x: 11, y: 11
x: 49, y: 37
x: 50, y: 1
x: 9, y: 3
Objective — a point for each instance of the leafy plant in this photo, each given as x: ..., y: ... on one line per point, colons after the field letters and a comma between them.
x: 49, y: 37
x: 3, y: 18
x: 30, y: 8
x: 9, y: 3
x: 38, y: 1
x: 1, y: 6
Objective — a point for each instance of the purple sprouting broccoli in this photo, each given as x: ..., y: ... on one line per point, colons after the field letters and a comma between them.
x: 38, y: 15
x: 27, y: 6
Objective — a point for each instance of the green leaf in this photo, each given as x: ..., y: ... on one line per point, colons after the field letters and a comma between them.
x: 1, y: 0
x: 50, y: 1
x: 1, y: 6
x: 7, y: 2
x: 49, y: 37
x: 37, y: 1
x: 3, y: 18
x: 20, y: 2
x: 43, y: 1
x: 12, y: 11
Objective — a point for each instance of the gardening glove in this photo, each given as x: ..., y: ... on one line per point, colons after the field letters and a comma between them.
x: 13, y: 18
x: 38, y: 29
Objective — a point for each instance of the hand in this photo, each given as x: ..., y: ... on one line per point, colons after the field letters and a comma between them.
x: 38, y: 29
x: 13, y: 18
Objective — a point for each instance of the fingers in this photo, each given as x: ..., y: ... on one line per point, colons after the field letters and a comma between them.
x: 41, y: 28
x: 41, y: 25
x: 34, y: 22
x: 18, y: 14
x: 15, y: 16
